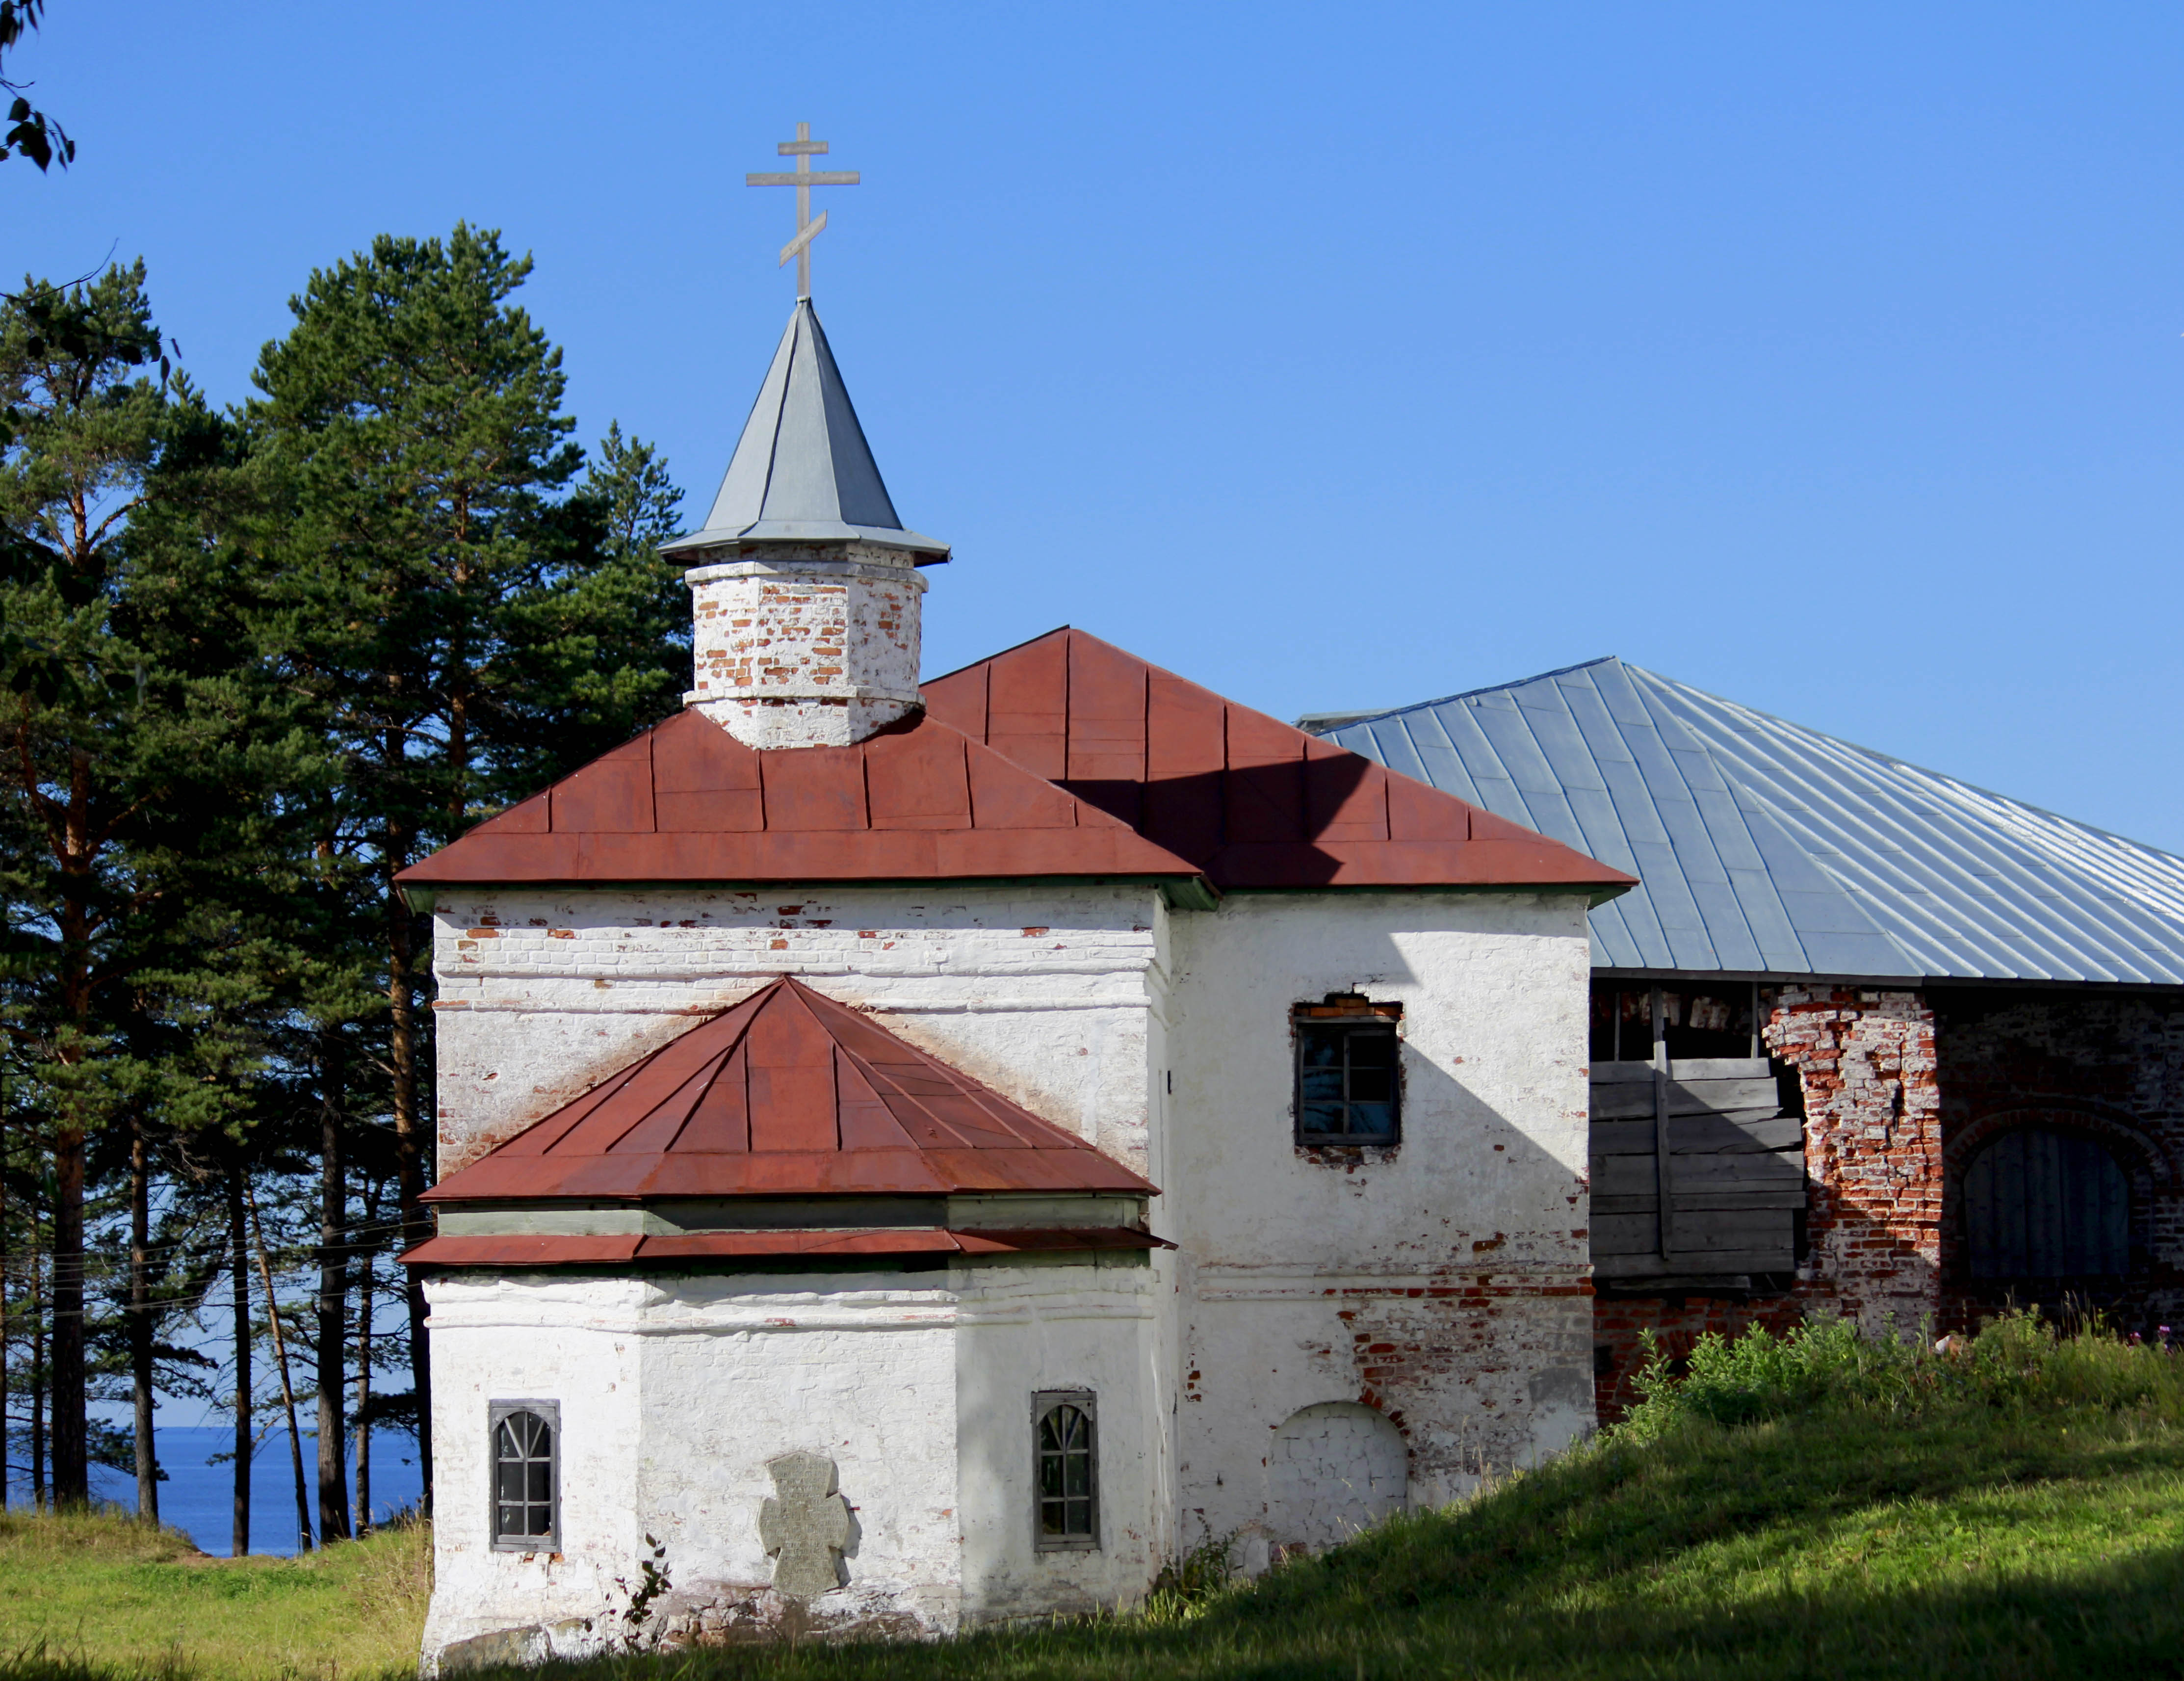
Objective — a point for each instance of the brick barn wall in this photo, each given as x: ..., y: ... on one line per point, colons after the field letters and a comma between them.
x: 1901, y: 1091
x: 2109, y: 1064
x: 1873, y: 1151
x: 1874, y: 1160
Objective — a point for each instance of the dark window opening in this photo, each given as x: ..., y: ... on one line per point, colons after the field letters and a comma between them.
x: 2044, y: 1205
x: 526, y: 1476
x: 1067, y: 1471
x: 1349, y: 1087
x: 1703, y: 1021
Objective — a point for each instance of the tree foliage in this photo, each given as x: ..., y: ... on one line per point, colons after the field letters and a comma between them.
x: 29, y: 133
x: 252, y: 664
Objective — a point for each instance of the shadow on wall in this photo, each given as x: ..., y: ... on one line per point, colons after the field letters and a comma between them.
x: 1333, y: 1468
x: 1470, y: 1348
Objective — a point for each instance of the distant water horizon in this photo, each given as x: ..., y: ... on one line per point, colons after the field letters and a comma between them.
x: 198, y: 1496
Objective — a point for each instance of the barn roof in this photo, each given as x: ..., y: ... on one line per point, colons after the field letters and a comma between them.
x: 1765, y: 847
x: 788, y: 1093
x: 1065, y: 756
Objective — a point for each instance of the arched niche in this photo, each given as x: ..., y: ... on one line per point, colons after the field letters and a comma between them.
x: 1334, y: 1469
x: 2044, y: 1201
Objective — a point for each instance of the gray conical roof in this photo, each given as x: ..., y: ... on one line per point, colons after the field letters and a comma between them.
x: 803, y: 470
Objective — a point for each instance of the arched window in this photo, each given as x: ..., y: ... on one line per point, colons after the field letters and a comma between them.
x: 526, y: 1477
x: 2046, y: 1204
x: 1068, y: 1481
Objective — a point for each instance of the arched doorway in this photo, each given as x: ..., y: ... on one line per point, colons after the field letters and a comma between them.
x: 2041, y: 1202
x: 1334, y: 1469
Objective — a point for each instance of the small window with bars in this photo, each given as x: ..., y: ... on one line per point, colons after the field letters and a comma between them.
x: 526, y: 1476
x: 1349, y: 1082
x: 1066, y: 1438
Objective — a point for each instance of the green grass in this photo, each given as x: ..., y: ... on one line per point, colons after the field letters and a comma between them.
x: 1821, y: 1507
x: 99, y: 1595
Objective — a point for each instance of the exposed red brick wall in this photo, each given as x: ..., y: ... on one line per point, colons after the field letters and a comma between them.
x: 1873, y: 1150
x: 1902, y: 1089
x: 1874, y: 1158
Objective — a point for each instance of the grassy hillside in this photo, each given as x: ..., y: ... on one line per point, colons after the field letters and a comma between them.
x: 101, y: 1595
x: 1822, y: 1508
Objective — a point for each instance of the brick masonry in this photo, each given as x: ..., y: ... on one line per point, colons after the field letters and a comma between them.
x: 2107, y: 1064
x: 1902, y: 1089
x: 806, y: 644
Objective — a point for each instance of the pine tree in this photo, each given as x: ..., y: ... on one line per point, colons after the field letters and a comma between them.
x: 84, y: 385
x: 466, y: 621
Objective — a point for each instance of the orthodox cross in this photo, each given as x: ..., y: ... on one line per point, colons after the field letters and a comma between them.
x: 803, y: 148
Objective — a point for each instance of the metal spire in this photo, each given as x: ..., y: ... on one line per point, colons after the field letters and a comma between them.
x: 803, y: 148
x: 803, y: 472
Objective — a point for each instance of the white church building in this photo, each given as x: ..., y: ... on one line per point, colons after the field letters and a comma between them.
x: 914, y: 1155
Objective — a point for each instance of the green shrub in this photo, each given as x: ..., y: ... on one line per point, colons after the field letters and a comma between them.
x: 2018, y: 1363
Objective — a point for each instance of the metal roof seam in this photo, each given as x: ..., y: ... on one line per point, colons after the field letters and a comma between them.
x: 717, y: 1066
x: 1822, y: 856
x: 1913, y: 868
x: 1706, y: 834
x: 773, y: 442
x: 834, y: 1086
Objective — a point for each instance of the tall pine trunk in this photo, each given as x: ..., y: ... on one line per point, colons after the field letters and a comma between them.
x: 70, y: 1443
x: 37, y: 1372
x: 411, y: 1144
x: 333, y: 1300
x: 71, y: 1427
x: 140, y: 1317
x: 7, y: 1347
x: 367, y: 1284
x: 287, y: 1389
x: 238, y: 1264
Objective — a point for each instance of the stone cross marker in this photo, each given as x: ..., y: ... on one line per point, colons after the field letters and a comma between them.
x: 803, y: 148
x: 804, y: 1526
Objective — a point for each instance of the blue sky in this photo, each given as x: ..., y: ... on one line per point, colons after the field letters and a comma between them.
x: 1825, y: 357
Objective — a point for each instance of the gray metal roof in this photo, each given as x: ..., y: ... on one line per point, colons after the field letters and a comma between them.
x: 803, y: 470
x: 1763, y: 847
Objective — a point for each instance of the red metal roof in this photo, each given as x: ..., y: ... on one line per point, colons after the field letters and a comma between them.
x: 687, y: 802
x: 787, y: 1094
x: 1065, y: 756
x: 538, y: 1249
x: 1251, y: 801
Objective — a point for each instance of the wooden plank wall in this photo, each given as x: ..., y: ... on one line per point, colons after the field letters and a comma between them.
x: 1734, y: 1167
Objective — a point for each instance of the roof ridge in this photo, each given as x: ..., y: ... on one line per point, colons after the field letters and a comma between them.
x: 1350, y: 720
x: 980, y: 1091
x: 987, y: 659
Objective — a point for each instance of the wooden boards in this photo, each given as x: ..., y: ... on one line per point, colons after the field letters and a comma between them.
x: 1733, y: 1170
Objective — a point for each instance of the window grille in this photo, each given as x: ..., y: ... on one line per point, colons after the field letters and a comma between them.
x: 526, y: 1476
x: 1349, y: 1088
x: 1066, y: 1452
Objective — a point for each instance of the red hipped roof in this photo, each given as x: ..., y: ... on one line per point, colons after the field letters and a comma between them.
x: 687, y: 802
x: 1251, y: 801
x: 1065, y: 756
x: 789, y: 1093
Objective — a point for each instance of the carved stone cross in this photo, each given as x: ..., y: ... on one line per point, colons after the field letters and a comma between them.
x: 804, y: 1526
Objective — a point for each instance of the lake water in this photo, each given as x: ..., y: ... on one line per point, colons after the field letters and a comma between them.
x: 198, y: 1497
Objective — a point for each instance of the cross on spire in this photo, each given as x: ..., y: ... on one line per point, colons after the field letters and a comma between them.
x: 803, y: 148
